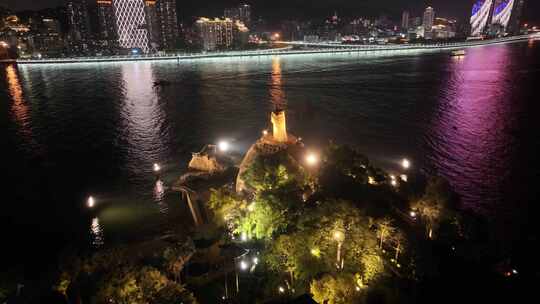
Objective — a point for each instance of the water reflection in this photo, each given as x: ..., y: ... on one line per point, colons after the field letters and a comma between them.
x: 159, y: 196
x: 143, y: 120
x: 277, y: 95
x: 470, y: 146
x: 96, y: 233
x: 19, y: 108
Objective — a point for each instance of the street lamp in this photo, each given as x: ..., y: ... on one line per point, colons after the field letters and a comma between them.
x: 223, y: 146
x: 90, y: 202
x: 243, y: 265
x: 405, y: 163
x: 312, y: 159
x: 157, y: 168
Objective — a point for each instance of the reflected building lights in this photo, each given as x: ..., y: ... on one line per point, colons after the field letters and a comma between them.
x: 142, y: 116
x: 19, y: 108
x: 469, y: 131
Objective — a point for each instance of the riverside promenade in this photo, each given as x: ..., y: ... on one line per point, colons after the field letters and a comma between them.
x: 291, y: 48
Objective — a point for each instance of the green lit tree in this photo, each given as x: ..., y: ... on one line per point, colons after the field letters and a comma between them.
x: 335, y: 289
x: 385, y: 229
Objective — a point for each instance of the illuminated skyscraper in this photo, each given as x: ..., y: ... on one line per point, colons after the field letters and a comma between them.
x: 131, y: 24
x: 215, y: 33
x: 79, y: 25
x: 242, y: 13
x: 106, y: 26
x: 405, y: 20
x: 502, y: 12
x: 480, y: 16
x: 152, y: 23
x: 168, y: 23
x: 506, y: 14
x: 429, y: 17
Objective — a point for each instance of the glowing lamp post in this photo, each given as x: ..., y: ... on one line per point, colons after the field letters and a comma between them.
x: 406, y: 164
x: 157, y: 168
x: 243, y: 265
x: 312, y: 159
x: 223, y: 146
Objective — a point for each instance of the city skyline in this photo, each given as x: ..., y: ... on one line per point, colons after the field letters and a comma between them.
x: 316, y: 9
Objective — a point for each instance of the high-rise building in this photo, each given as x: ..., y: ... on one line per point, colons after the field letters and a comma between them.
x: 242, y: 13
x: 167, y: 23
x: 79, y: 34
x: 480, y: 16
x: 514, y: 26
x: 429, y: 17
x: 215, y: 33
x: 506, y: 15
x: 405, y: 20
x: 152, y: 24
x: 106, y: 27
x: 131, y: 24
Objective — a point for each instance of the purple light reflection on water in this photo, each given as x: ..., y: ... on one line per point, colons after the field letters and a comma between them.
x: 472, y: 145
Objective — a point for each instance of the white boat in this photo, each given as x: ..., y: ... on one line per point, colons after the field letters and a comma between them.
x: 458, y: 53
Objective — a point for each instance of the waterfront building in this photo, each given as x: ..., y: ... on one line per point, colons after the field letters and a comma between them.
x: 152, y: 24
x: 215, y: 33
x: 131, y: 28
x: 480, y: 16
x: 405, y: 18
x: 506, y: 15
x: 242, y: 13
x: 79, y: 34
x: 167, y: 23
x: 106, y: 25
x: 46, y: 40
x: 429, y: 17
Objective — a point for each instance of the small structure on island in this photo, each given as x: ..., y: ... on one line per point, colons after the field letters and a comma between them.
x: 268, y: 144
x: 205, y: 161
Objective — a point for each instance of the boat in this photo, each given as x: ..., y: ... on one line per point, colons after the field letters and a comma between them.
x: 458, y: 53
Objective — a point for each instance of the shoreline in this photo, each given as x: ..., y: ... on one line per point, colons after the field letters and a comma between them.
x: 284, y: 52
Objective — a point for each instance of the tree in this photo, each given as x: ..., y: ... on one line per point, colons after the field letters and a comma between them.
x: 335, y: 289
x: 225, y: 206
x: 399, y: 242
x: 435, y: 204
x: 373, y: 267
x: 269, y: 172
x: 262, y: 221
x: 174, y: 293
x: 385, y: 229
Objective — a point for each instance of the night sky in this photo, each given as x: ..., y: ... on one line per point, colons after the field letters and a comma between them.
x: 281, y: 9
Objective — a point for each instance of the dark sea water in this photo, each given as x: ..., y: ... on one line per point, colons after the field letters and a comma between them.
x: 69, y: 131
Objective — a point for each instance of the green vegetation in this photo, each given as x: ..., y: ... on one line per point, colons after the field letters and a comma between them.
x: 146, y: 273
x: 340, y: 232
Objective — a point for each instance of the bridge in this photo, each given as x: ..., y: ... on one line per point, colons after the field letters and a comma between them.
x: 290, y: 48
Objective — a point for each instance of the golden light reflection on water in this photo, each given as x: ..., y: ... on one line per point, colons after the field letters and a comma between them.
x: 96, y: 233
x: 19, y: 108
x: 277, y: 95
